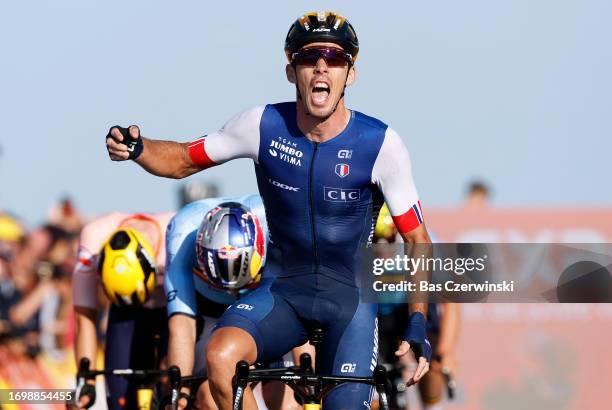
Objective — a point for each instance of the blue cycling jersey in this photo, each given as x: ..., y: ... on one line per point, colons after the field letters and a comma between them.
x: 321, y: 199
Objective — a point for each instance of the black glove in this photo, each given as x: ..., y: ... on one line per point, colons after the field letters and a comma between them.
x: 84, y: 389
x: 134, y: 146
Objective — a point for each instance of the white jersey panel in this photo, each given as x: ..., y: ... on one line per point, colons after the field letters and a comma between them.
x: 239, y: 138
x: 392, y: 173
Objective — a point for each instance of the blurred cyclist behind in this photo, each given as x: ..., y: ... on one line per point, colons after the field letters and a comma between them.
x: 443, y: 320
x: 125, y: 254
x: 216, y: 249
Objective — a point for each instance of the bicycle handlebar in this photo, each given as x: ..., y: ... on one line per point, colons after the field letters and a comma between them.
x: 173, y: 373
x: 297, y: 377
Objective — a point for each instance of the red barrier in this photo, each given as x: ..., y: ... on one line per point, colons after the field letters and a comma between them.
x: 545, y: 225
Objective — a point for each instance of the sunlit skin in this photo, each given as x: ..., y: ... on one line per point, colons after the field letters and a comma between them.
x: 316, y: 117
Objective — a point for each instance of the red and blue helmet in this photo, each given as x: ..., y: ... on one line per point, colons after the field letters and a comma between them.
x: 230, y: 247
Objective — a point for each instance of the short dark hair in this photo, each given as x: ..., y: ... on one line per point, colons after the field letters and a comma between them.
x: 478, y: 187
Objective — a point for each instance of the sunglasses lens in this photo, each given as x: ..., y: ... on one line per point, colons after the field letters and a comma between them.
x: 336, y: 58
x: 307, y: 57
x: 333, y: 57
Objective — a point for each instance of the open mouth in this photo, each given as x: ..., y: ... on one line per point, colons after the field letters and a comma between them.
x: 320, y: 92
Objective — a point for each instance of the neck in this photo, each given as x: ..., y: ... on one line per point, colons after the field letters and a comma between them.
x: 322, y: 129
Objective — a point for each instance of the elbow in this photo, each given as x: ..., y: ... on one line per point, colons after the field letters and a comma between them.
x: 175, y: 175
x: 165, y: 173
x: 423, y: 238
x: 419, y: 235
x: 181, y: 172
x: 84, y: 318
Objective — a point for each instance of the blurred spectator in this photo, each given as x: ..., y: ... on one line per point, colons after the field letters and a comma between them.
x: 7, y: 295
x: 12, y: 233
x: 35, y: 289
x: 64, y: 215
x: 478, y: 195
x: 12, y: 236
x: 196, y: 190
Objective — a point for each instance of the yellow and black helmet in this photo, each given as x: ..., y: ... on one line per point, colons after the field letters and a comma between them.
x: 127, y: 268
x: 323, y: 26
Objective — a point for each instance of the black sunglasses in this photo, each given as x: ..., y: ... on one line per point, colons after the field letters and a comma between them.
x: 310, y: 56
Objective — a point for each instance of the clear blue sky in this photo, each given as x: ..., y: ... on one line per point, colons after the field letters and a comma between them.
x: 517, y: 93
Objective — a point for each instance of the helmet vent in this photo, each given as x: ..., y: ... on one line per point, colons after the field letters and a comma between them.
x: 119, y: 241
x: 230, y: 205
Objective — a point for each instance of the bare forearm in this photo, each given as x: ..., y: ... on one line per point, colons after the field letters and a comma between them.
x: 417, y: 244
x: 86, y: 339
x: 181, y: 343
x: 168, y: 159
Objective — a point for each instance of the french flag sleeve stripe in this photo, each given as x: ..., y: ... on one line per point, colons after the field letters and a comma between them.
x: 410, y: 219
x: 417, y: 209
x: 198, y: 154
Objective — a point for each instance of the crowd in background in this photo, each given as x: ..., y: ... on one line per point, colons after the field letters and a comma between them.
x: 35, y: 289
x: 36, y: 265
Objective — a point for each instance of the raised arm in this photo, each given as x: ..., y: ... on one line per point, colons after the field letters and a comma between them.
x: 239, y: 138
x: 168, y: 159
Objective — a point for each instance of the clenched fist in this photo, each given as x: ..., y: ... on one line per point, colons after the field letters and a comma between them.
x: 124, y: 143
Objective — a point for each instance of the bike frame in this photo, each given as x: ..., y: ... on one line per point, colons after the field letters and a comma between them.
x: 309, y: 387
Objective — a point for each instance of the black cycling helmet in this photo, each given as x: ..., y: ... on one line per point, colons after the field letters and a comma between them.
x: 325, y: 26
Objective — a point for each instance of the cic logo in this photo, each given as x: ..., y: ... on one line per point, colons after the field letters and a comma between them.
x: 340, y: 195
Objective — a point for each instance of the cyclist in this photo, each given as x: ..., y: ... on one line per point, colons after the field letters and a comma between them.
x: 211, y: 262
x: 128, y: 252
x: 323, y: 172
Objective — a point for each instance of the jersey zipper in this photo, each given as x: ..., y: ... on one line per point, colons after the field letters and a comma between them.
x: 312, y: 217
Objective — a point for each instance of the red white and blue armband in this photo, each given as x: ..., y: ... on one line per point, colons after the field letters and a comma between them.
x: 198, y: 155
x: 410, y: 219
